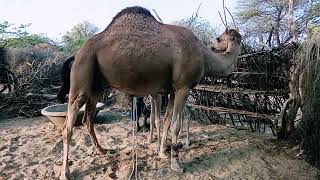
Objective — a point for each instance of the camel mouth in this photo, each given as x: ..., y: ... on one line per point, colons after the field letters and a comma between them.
x: 217, y: 50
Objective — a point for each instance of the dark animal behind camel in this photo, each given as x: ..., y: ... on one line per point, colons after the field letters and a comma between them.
x: 145, y: 110
x: 141, y: 109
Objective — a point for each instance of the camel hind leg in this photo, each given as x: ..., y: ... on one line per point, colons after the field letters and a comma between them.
x: 166, y: 125
x: 88, y: 122
x: 75, y: 103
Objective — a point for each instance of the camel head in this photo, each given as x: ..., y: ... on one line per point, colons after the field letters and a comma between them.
x: 228, y: 42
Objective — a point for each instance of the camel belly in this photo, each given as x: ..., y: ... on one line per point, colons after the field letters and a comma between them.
x: 140, y: 85
x: 137, y: 69
x: 139, y: 78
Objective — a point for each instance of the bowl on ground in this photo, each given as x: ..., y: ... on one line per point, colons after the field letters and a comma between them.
x: 57, y: 113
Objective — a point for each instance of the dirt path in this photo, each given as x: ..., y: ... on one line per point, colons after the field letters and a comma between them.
x: 31, y: 148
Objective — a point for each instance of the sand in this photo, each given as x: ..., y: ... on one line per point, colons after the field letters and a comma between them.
x: 32, y: 149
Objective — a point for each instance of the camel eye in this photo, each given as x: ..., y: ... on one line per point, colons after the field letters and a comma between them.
x: 218, y: 39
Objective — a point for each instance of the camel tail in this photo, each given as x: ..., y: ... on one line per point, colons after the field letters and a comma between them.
x: 65, y: 78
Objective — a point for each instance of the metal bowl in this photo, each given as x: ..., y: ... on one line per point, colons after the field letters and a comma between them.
x: 57, y: 113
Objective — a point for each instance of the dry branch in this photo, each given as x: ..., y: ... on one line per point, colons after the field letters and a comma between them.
x: 43, y: 96
x: 32, y: 86
x: 157, y: 15
x: 233, y: 111
x: 223, y: 89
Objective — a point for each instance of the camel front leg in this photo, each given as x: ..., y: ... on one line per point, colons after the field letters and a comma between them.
x: 73, y: 109
x: 88, y: 122
x: 166, y: 125
x: 152, y: 119
x: 179, y: 104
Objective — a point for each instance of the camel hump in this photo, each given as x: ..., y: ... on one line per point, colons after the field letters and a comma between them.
x: 132, y: 15
x: 134, y: 10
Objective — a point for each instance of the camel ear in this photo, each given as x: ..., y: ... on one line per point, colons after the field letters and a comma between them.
x: 227, y: 29
x: 231, y: 48
x: 237, y: 29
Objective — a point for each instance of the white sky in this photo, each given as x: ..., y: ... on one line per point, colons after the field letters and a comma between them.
x: 54, y: 17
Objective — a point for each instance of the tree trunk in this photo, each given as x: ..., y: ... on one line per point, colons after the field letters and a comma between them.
x: 286, y: 120
x: 260, y: 39
x: 277, y: 26
x: 291, y: 25
x: 277, y: 32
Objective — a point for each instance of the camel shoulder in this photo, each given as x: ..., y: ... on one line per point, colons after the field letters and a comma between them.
x: 183, y: 35
x: 178, y: 29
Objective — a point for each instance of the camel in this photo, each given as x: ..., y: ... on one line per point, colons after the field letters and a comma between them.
x: 139, y: 56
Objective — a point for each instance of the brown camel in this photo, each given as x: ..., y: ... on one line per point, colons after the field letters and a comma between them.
x: 140, y: 56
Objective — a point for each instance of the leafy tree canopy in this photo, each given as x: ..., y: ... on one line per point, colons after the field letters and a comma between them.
x: 27, y: 40
x: 74, y: 39
x: 258, y: 17
x: 18, y: 37
x: 199, y: 26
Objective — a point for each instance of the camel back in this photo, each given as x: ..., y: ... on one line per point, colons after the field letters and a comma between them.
x: 132, y: 12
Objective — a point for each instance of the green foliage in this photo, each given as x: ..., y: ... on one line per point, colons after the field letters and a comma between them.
x: 199, y: 26
x: 7, y: 30
x: 75, y: 38
x: 26, y: 40
x: 17, y: 36
x: 314, y: 31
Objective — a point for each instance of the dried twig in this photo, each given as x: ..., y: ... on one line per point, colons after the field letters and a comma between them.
x: 270, y: 36
x: 224, y: 12
x: 155, y: 12
x: 234, y: 23
x: 222, y: 19
x: 194, y: 15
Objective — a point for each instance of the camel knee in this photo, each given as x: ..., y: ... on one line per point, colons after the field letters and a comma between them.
x: 67, y: 134
x: 78, y: 101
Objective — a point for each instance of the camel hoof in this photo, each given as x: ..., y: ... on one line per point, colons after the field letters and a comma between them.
x: 102, y: 151
x: 65, y: 175
x: 163, y: 155
x: 145, y: 129
x: 139, y: 128
x: 158, y: 150
x: 188, y: 143
x: 177, y: 168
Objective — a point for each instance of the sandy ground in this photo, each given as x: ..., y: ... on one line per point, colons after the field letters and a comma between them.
x: 31, y: 149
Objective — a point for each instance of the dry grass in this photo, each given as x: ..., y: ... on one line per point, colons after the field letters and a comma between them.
x: 37, y: 73
x: 121, y: 100
x: 309, y: 128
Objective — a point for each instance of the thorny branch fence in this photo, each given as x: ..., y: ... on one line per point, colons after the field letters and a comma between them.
x: 251, y: 97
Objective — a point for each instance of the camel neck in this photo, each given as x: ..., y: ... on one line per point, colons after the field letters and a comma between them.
x: 219, y: 64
